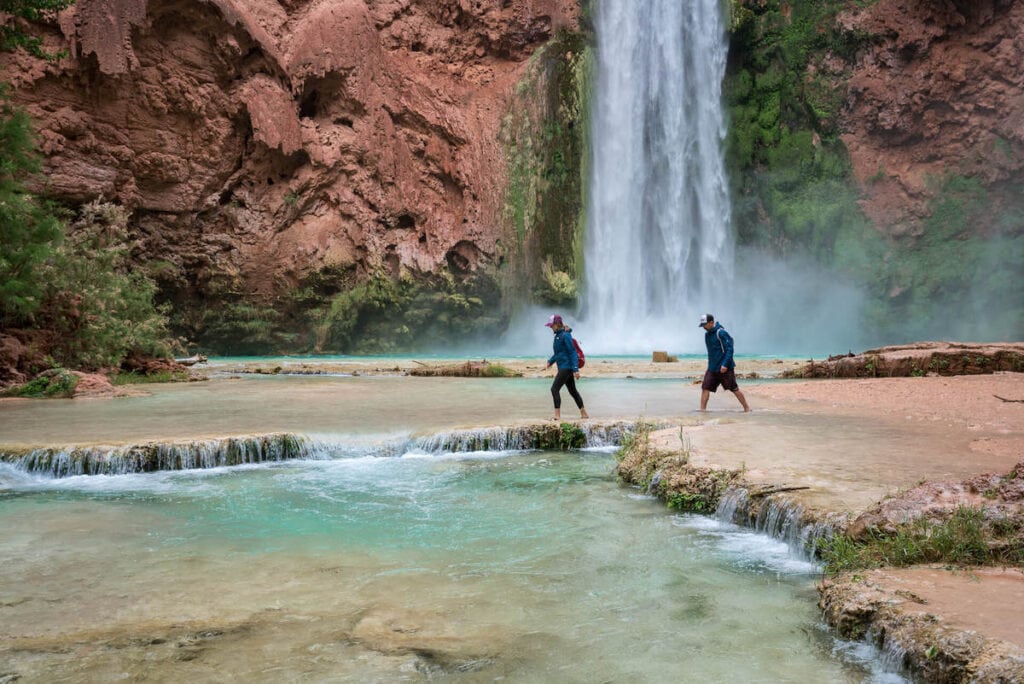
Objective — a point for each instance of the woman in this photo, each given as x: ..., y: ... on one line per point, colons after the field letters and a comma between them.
x: 567, y: 360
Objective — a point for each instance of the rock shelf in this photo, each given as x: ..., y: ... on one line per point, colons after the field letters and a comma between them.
x: 862, y: 459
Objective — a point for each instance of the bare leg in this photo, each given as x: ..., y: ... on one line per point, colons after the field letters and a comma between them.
x: 583, y: 413
x: 743, y: 400
x: 704, y: 394
x: 558, y: 414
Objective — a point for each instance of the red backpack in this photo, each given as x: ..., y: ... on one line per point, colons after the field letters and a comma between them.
x: 579, y: 352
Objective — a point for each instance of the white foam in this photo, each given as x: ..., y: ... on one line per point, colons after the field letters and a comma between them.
x: 746, y: 548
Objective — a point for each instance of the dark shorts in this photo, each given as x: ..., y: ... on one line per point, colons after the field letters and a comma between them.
x: 712, y: 379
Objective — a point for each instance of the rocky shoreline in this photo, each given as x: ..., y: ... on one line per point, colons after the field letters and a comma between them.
x: 942, y: 620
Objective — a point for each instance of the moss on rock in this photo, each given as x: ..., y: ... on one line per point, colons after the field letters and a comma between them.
x: 546, y: 141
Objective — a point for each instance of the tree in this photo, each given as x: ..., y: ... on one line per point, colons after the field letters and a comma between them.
x: 12, y: 33
x: 29, y: 227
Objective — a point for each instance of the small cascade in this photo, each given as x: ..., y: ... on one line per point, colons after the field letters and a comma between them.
x: 154, y: 456
x: 736, y: 500
x: 69, y: 461
x: 539, y: 436
x: 777, y: 517
x: 893, y: 654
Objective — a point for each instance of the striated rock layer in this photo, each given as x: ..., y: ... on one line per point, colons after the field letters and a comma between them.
x: 256, y: 142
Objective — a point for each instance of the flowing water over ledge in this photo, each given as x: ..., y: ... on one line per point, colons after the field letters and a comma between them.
x: 69, y: 461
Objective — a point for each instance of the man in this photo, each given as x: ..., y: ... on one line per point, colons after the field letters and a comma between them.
x: 721, y: 367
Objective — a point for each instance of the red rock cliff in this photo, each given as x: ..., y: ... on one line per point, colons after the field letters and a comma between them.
x: 262, y: 140
x: 940, y: 90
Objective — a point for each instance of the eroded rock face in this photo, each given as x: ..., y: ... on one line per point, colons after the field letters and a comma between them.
x: 939, y: 90
x: 259, y: 141
x: 895, y: 609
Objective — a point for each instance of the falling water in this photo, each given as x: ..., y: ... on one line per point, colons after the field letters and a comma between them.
x: 658, y: 241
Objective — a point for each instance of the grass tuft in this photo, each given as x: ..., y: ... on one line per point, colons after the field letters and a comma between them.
x: 143, y: 379
x: 964, y: 539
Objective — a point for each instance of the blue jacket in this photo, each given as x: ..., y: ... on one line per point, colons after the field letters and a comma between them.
x: 719, y: 344
x: 565, y: 355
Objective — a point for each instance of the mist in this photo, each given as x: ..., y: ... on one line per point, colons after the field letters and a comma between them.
x: 770, y: 307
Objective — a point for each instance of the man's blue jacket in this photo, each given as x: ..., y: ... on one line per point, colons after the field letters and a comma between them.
x: 719, y: 344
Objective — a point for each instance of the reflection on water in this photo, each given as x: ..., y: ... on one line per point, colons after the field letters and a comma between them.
x: 531, y: 567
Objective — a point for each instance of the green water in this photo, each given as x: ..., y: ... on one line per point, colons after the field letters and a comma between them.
x: 533, y: 567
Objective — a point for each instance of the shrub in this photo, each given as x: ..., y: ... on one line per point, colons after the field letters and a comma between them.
x: 100, y: 307
x: 56, y: 382
x: 80, y: 286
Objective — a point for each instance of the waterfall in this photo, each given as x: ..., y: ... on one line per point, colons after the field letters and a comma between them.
x: 777, y: 517
x: 153, y: 456
x: 658, y: 244
x: 69, y: 461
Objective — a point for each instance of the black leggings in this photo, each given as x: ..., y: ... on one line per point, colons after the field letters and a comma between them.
x: 566, y: 378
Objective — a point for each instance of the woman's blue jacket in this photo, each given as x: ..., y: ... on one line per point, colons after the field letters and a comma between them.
x: 565, y: 356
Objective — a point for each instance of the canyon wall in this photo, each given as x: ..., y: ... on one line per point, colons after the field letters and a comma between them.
x: 939, y: 91
x: 273, y: 153
x: 884, y: 141
x: 382, y: 175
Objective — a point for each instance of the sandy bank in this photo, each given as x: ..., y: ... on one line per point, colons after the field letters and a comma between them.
x: 854, y: 441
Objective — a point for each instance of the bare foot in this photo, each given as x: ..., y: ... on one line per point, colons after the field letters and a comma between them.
x: 584, y: 415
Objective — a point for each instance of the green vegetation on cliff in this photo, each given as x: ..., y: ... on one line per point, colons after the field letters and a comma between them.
x: 334, y: 310
x: 794, y: 194
x: 955, y: 273
x: 792, y: 188
x: 12, y: 33
x: 546, y: 140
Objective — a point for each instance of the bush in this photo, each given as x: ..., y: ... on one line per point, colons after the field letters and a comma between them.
x: 56, y: 382
x: 98, y: 306
x: 79, y: 285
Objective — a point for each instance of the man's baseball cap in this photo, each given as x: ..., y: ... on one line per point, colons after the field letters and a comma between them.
x: 553, y: 319
x: 705, y: 319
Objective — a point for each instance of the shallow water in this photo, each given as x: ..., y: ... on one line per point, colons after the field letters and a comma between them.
x: 531, y: 567
x: 381, y: 405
